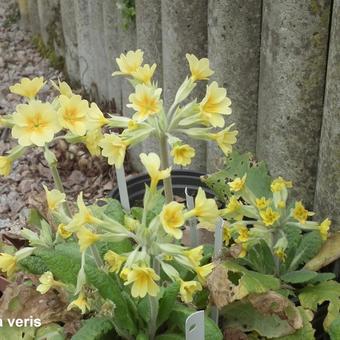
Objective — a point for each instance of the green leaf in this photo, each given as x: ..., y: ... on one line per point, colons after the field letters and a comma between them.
x: 51, y: 331
x: 114, y: 210
x: 109, y: 288
x: 310, y: 297
x: 23, y: 333
x: 306, y: 332
x: 306, y: 250
x: 329, y: 252
x: 34, y: 265
x: 334, y: 329
x: 167, y: 302
x: 299, y: 276
x: 243, y: 316
x: 144, y: 309
x: 321, y: 277
x: 237, y: 165
x: 180, y: 313
x: 94, y: 329
x: 124, y: 246
x: 35, y: 218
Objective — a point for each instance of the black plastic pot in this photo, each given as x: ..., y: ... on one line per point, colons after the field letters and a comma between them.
x: 181, y: 179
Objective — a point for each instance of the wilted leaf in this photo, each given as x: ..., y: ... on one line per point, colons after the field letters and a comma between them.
x: 329, y: 252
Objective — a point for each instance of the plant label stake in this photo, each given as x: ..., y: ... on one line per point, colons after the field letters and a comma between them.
x: 194, y: 326
x: 192, y: 221
x: 217, y: 251
x: 123, y: 193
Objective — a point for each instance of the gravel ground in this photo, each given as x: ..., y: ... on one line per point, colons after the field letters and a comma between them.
x: 22, y: 189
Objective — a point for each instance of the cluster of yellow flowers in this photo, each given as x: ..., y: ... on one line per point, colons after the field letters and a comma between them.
x: 252, y: 218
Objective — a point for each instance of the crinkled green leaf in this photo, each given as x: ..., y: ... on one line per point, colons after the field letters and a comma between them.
x: 237, y: 165
x: 51, y: 331
x: 34, y: 265
x: 112, y: 208
x: 23, y: 333
x: 299, y: 276
x: 334, y: 329
x: 166, y: 302
x: 124, y: 246
x: 94, y: 329
x: 306, y: 332
x: 311, y: 296
x: 180, y: 313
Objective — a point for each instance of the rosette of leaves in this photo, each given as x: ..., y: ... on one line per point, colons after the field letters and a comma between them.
x: 261, y: 294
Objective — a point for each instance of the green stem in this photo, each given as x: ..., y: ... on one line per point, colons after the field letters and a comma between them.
x: 153, y: 301
x: 96, y: 256
x: 165, y: 164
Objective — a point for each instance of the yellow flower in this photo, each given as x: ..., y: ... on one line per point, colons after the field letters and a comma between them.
x: 82, y: 217
x: 146, y: 101
x: 114, y: 148
x: 132, y: 125
x: 214, y: 105
x: 63, y: 88
x: 92, y: 140
x: 28, y: 87
x: 182, y: 154
x: 63, y: 232
x: 281, y: 204
x: 188, y: 289
x: 194, y: 255
x: 5, y: 165
x: 237, y: 184
x: 203, y: 271
x: 86, y: 238
x: 129, y: 63
x: 205, y: 209
x: 124, y: 273
x: 226, y: 235
x: 80, y: 303
x: 35, y: 123
x: 130, y: 223
x: 143, y: 281
x: 199, y: 68
x: 243, y: 235
x: 47, y: 282
x: 300, y: 213
x: 114, y: 261
x: 73, y: 114
x: 280, y: 253
x: 172, y: 219
x: 269, y: 217
x: 144, y: 73
x: 168, y: 257
x: 152, y: 164
x: 324, y: 228
x: 8, y: 263
x: 244, y: 248
x: 225, y: 139
x: 262, y: 203
x: 95, y: 119
x: 232, y: 206
x: 279, y: 184
x: 54, y: 198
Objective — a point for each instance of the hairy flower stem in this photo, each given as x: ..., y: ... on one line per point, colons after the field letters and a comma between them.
x: 165, y: 164
x: 153, y: 302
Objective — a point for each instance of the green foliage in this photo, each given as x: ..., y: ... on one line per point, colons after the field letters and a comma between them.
x: 311, y: 296
x: 300, y: 276
x: 51, y: 331
x: 121, y: 247
x: 180, y: 313
x: 334, y: 329
x: 34, y: 265
x: 170, y: 336
x: 94, y: 329
x: 237, y: 165
x: 166, y: 303
x: 112, y: 208
x: 128, y: 10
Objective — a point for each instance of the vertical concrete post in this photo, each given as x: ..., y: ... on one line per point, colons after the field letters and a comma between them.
x: 50, y: 25
x: 184, y: 31
x: 83, y: 39
x: 112, y: 51
x: 69, y: 26
x: 33, y: 11
x: 234, y: 33
x: 97, y: 49
x: 149, y: 40
x: 24, y: 14
x: 292, y: 78
x: 327, y: 197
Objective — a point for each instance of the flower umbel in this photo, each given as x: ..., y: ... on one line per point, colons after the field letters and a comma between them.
x: 199, y: 68
x: 143, y: 281
x: 152, y: 164
x: 214, y: 105
x: 182, y: 154
x: 146, y: 101
x: 35, y: 123
x: 172, y: 219
x: 28, y: 87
